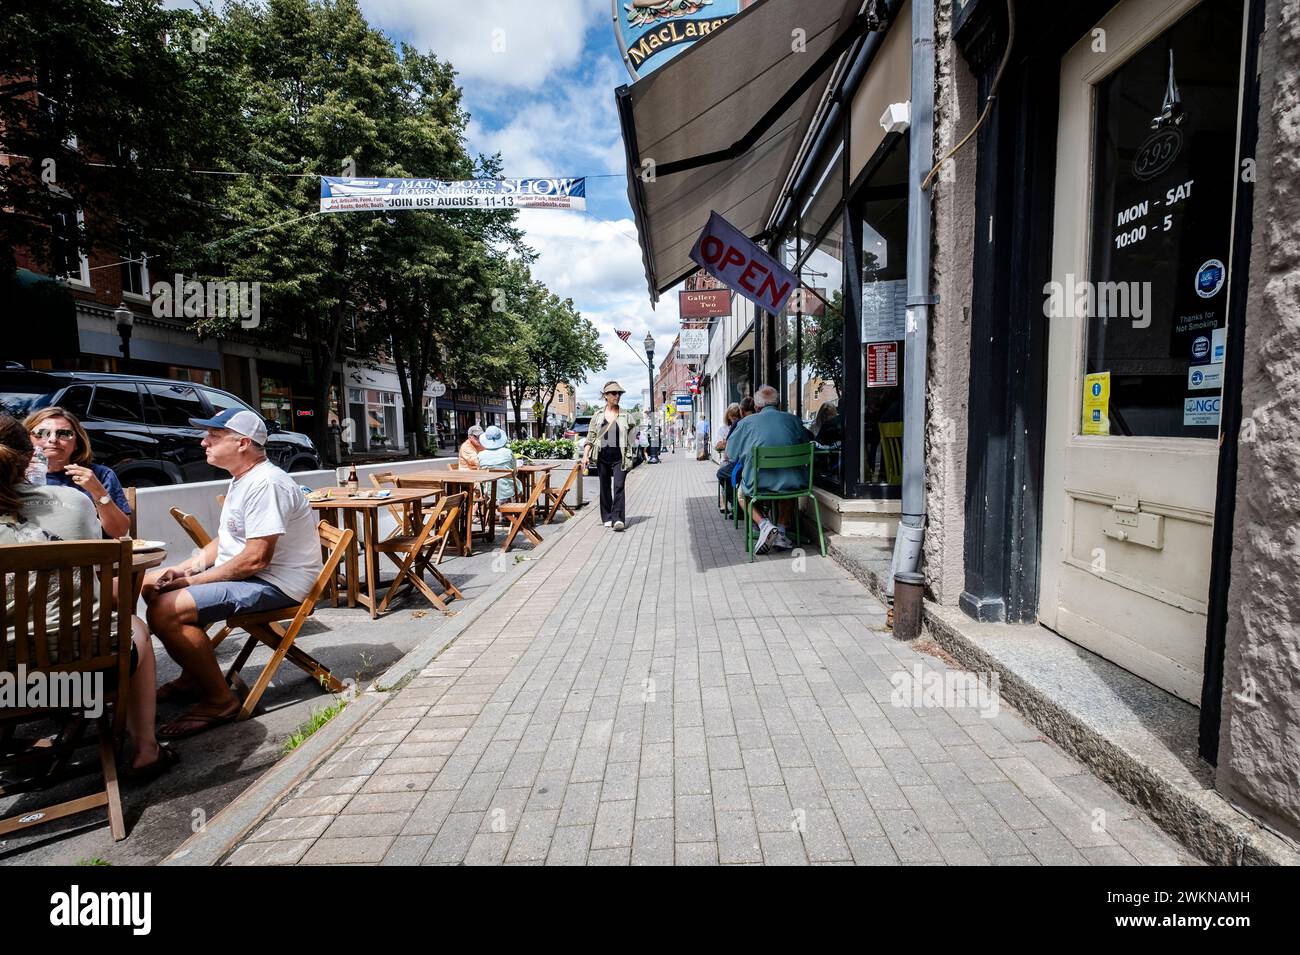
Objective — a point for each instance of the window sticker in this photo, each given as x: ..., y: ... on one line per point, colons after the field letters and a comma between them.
x: 1096, y: 403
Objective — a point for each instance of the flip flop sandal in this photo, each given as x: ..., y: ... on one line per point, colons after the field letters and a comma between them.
x: 202, y: 721
x: 167, y: 758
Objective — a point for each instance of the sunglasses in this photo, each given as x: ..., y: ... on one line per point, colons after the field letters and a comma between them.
x: 613, y: 392
x: 63, y: 434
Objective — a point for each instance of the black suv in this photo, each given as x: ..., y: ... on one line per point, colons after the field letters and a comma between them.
x: 140, y: 427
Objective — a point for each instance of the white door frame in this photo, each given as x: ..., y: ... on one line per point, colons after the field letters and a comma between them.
x: 1069, y: 456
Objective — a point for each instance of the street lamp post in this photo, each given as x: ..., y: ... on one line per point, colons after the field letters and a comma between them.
x: 125, y: 321
x: 652, y: 456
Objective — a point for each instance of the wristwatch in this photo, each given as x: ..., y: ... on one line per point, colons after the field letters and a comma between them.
x: 103, y: 501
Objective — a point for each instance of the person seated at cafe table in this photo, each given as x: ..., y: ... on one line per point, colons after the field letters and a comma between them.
x: 34, y: 515
x: 496, y: 454
x: 471, y: 447
x: 266, y: 556
x: 58, y: 434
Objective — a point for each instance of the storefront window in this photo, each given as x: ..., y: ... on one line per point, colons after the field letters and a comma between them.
x: 1157, y: 306
x: 277, y: 402
x: 821, y: 379
x: 740, y: 371
x: 884, y: 297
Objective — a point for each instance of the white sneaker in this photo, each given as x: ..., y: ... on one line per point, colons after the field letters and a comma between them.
x: 618, y: 525
x: 764, y: 542
x: 609, y: 523
x: 781, y: 542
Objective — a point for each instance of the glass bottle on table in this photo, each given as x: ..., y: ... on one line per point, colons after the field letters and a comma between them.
x: 353, y: 483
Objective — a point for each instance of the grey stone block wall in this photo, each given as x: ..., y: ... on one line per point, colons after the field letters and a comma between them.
x: 956, y: 110
x: 1259, y: 755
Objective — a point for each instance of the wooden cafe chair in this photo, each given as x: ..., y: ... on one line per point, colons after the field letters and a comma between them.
x: 521, y: 517
x: 555, y: 498
x: 415, y: 553
x: 98, y: 639
x: 261, y: 627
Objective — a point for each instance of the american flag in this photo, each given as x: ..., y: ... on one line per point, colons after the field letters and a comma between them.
x: 623, y: 335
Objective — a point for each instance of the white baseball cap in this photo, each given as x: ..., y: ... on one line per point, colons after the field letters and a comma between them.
x: 238, y: 420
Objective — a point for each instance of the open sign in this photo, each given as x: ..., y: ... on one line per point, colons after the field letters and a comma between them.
x: 730, y: 257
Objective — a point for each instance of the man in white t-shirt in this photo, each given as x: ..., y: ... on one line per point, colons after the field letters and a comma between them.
x: 266, y: 556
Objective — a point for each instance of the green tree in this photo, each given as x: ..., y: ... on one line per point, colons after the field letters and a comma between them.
x: 107, y: 107
x: 320, y: 88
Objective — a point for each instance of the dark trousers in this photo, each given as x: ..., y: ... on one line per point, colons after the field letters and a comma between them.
x: 609, y: 466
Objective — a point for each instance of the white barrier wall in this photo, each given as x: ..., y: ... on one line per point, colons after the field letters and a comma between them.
x: 155, y: 503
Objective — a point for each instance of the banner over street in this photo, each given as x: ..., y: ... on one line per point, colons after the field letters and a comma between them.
x: 339, y: 194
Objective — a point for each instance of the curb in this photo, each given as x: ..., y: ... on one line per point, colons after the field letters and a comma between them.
x: 227, y: 828
x: 1202, y: 821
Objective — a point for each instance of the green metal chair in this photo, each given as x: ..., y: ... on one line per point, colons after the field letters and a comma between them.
x: 788, y: 456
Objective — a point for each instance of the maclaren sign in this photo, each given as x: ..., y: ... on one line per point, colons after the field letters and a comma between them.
x: 651, y: 32
x: 707, y: 304
x: 729, y: 256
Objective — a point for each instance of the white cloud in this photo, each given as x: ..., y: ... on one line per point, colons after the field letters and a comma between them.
x: 598, y: 265
x: 573, y: 131
x: 514, y: 43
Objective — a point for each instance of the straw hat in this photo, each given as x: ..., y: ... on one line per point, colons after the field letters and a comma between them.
x: 612, y: 386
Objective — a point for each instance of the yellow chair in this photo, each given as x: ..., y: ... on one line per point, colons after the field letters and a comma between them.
x: 891, y: 449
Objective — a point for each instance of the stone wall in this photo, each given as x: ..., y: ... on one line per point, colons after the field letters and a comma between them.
x: 955, y: 111
x: 1259, y: 755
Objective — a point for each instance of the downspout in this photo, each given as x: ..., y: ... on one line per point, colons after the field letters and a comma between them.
x: 920, y: 159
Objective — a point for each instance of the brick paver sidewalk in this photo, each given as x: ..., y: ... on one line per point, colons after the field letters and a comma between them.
x: 650, y: 697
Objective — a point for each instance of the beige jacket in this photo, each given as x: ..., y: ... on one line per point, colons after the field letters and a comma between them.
x: 596, y: 436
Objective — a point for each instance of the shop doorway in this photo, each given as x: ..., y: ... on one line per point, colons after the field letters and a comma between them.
x: 1138, y: 309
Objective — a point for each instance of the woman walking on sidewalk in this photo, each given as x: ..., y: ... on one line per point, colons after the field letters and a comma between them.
x: 611, y: 436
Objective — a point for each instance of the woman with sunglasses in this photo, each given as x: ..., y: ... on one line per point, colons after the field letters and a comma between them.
x: 611, y: 435
x: 58, y: 435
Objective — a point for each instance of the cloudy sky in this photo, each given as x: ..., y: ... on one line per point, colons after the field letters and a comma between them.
x: 539, y: 82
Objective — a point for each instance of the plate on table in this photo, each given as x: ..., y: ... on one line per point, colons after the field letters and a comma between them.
x: 143, y: 546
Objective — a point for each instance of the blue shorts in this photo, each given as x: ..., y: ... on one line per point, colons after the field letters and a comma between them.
x: 228, y: 598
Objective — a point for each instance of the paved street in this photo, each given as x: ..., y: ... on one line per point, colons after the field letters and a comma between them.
x: 650, y: 697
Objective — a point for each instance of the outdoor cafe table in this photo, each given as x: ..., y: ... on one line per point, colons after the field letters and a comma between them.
x: 349, y: 506
x: 463, y: 479
x: 142, y: 561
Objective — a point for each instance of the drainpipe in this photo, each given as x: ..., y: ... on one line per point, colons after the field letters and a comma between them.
x: 920, y: 159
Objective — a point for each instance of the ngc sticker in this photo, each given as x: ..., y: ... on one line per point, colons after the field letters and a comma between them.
x: 1210, y: 278
x: 1201, y: 412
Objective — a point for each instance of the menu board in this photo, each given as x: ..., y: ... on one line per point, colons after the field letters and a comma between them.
x: 884, y: 311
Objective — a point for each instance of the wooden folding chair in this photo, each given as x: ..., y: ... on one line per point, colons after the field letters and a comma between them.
x: 457, y: 542
x: 98, y: 639
x: 190, y: 524
x: 130, y: 502
x: 401, y: 512
x: 414, y: 554
x: 556, y: 498
x: 521, y: 517
x: 261, y: 627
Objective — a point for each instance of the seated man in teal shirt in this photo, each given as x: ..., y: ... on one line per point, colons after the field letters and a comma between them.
x: 770, y: 428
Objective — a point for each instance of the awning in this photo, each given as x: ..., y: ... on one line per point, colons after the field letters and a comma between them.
x: 743, y: 97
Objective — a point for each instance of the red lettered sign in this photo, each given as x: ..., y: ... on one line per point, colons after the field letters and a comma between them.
x: 730, y: 257
x: 882, y: 364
